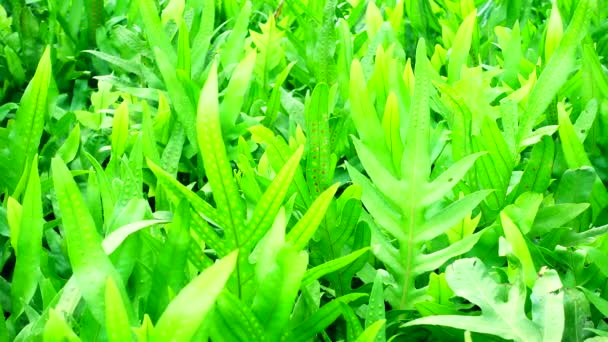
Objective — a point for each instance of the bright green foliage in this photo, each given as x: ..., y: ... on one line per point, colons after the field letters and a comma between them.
x: 372, y: 333
x: 502, y: 307
x: 58, y: 329
x: 516, y: 220
x: 198, y: 296
x: 406, y: 220
x: 375, y: 309
x: 28, y: 246
x: 26, y: 132
x: 117, y: 321
x: 267, y: 42
x: 90, y: 264
x: 558, y: 67
x: 331, y: 170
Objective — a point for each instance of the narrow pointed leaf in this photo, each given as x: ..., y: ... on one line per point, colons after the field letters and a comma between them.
x: 303, y: 231
x: 448, y: 179
x: 461, y: 46
x: 57, y: 329
x: 273, y: 302
x: 30, y: 118
x: 376, y: 311
x: 120, y: 130
x: 190, y: 307
x: 450, y: 216
x: 331, y: 266
x: 117, y: 320
x: 236, y: 90
x: 219, y: 172
x: 90, y: 264
x: 268, y: 205
x: 278, y: 153
x: 29, y: 244
x: 181, y: 101
x: 154, y: 29
x: 364, y: 115
x: 416, y: 160
x: 518, y: 243
x: 537, y: 174
x: 321, y: 319
x: 317, y: 142
x: 233, y: 49
x: 558, y: 68
x: 178, y: 190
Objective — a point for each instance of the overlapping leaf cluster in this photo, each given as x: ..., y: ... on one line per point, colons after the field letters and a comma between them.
x: 287, y: 170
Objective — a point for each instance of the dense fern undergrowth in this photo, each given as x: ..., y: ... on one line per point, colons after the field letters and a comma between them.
x: 304, y: 170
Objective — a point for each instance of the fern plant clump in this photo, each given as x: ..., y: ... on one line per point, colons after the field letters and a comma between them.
x: 319, y: 170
